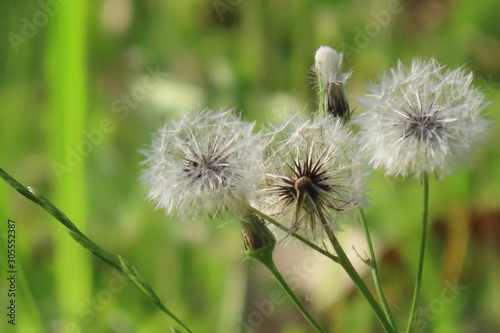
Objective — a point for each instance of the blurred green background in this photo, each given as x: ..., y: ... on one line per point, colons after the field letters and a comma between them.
x: 82, y: 86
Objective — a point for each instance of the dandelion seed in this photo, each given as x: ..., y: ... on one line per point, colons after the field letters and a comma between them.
x: 311, y: 174
x: 209, y: 163
x: 331, y: 81
x: 421, y: 120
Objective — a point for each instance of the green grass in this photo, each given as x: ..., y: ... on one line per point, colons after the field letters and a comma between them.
x: 68, y: 76
x: 65, y: 68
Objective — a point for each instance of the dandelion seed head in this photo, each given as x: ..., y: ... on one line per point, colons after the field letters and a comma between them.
x: 310, y: 174
x: 328, y: 65
x: 422, y: 119
x: 205, y: 163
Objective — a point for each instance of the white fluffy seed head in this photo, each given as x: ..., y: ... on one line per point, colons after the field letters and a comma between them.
x: 328, y: 66
x: 422, y: 119
x: 312, y: 173
x: 207, y: 163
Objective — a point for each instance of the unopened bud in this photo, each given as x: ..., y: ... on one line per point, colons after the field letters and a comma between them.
x: 331, y: 80
x: 258, y: 240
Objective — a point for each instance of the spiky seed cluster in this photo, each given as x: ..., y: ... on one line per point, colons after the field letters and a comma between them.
x: 331, y: 81
x: 422, y: 119
x: 206, y: 163
x: 311, y: 174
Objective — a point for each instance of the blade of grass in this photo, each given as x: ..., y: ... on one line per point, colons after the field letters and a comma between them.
x: 66, y: 76
x: 123, y: 267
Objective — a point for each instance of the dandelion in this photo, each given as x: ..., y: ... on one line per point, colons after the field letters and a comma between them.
x: 312, y: 177
x: 421, y: 120
x: 331, y: 81
x: 209, y: 163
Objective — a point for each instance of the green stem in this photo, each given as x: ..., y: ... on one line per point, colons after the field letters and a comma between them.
x: 413, y: 313
x: 344, y: 262
x: 259, y: 244
x: 129, y: 272
x: 353, y: 274
x: 374, y: 269
x: 293, y: 234
x: 322, y: 96
x: 272, y: 268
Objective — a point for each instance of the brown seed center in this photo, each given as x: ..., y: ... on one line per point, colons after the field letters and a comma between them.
x: 303, y: 184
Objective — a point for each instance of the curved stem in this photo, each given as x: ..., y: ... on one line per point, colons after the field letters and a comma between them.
x: 341, y: 259
x: 270, y: 265
x: 128, y: 271
x: 259, y: 245
x: 374, y: 269
x: 353, y: 274
x: 413, y: 313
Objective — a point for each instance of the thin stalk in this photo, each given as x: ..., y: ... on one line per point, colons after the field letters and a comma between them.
x: 345, y: 263
x: 353, y: 274
x: 413, y: 313
x: 128, y: 271
x: 293, y: 234
x: 259, y: 244
x: 272, y: 268
x: 374, y: 269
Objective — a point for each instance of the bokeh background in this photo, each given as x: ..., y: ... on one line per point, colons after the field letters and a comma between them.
x: 84, y: 83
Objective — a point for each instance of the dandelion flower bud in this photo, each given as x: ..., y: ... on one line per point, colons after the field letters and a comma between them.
x: 331, y: 80
x: 207, y: 163
x: 422, y: 119
x: 259, y: 242
x: 312, y: 175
